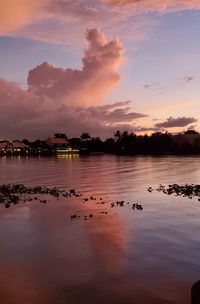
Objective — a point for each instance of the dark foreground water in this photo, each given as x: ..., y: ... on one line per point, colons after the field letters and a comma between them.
x: 125, y: 256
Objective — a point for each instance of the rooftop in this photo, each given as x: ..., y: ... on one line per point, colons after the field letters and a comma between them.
x: 57, y: 141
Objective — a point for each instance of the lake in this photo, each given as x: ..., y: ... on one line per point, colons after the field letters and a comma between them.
x: 119, y: 255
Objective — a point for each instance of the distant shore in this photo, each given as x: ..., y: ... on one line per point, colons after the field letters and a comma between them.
x: 126, y: 143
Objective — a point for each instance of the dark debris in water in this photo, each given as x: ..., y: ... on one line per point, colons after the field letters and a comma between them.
x: 13, y: 194
x: 135, y: 206
x: 187, y: 190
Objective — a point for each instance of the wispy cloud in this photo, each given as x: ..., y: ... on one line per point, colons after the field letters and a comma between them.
x: 54, y: 20
x: 163, y: 6
x: 16, y: 13
x: 151, y: 85
x: 112, y: 114
x: 188, y: 78
x: 176, y: 122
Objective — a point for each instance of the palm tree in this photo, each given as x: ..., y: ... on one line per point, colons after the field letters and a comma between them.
x: 117, y: 135
x: 125, y: 134
x: 85, y: 136
x: 60, y: 135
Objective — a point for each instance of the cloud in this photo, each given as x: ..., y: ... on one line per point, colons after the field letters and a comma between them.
x: 176, y: 122
x: 68, y: 100
x: 54, y: 20
x: 188, y: 78
x: 23, y: 114
x: 16, y: 13
x: 114, y: 114
x: 192, y: 127
x: 71, y: 10
x: 81, y: 87
x: 150, y: 85
x: 146, y: 6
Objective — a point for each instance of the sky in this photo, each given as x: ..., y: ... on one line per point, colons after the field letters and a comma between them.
x: 98, y: 66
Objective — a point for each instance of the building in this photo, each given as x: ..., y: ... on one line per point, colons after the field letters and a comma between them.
x: 61, y: 145
x: 13, y: 147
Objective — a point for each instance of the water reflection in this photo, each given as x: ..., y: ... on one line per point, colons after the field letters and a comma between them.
x: 67, y: 156
x: 121, y: 257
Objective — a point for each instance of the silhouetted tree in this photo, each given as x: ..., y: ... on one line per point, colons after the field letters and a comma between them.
x: 60, y: 135
x: 85, y: 136
x: 117, y: 135
x: 75, y: 142
x: 191, y: 132
x: 26, y: 142
x: 110, y: 145
x: 96, y: 145
x: 160, y: 143
x: 126, y: 143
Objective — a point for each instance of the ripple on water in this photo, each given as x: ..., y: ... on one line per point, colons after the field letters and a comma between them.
x: 147, y: 257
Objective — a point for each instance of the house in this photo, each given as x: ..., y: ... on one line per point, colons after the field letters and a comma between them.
x: 57, y: 143
x: 61, y: 145
x: 3, y: 146
x: 13, y: 147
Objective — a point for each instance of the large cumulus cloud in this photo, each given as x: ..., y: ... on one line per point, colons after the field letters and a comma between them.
x: 68, y: 100
x: 99, y: 73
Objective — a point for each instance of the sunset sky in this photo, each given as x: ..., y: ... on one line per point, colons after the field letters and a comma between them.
x: 97, y: 66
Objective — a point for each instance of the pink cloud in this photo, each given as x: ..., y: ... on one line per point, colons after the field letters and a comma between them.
x: 113, y: 114
x: 176, y: 122
x: 16, y: 13
x: 81, y: 87
x: 23, y: 114
x: 54, y: 20
x: 145, y: 6
x: 67, y: 100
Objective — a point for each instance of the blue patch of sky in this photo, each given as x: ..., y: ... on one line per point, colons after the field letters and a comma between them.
x: 161, y: 58
x: 170, y: 52
x: 18, y: 56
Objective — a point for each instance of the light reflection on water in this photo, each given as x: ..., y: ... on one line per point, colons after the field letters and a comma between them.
x: 123, y: 257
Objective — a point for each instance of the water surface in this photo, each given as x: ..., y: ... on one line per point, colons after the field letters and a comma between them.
x: 124, y: 256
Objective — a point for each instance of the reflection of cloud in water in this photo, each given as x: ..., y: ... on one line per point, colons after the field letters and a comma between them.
x: 106, y: 235
x: 107, y: 240
x: 55, y: 252
x: 51, y: 259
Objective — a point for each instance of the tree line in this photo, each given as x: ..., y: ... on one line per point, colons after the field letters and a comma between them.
x: 128, y: 143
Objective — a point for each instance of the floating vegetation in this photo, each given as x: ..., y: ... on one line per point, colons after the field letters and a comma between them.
x: 13, y: 194
x: 187, y: 190
x: 135, y: 206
